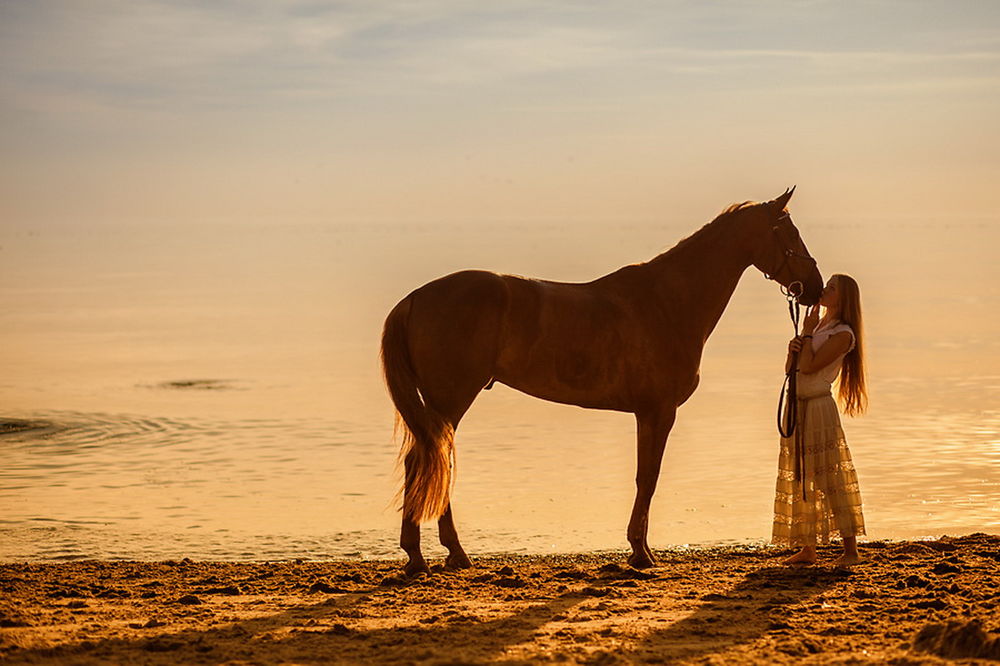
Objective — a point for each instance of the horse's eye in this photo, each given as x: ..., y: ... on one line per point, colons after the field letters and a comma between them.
x: 774, y: 228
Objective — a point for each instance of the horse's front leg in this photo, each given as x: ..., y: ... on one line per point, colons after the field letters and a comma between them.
x: 457, y: 559
x: 653, y: 429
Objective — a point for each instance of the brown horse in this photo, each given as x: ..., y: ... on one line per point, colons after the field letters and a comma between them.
x: 630, y: 341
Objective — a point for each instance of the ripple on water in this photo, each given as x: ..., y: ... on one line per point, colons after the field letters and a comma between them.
x: 117, y: 543
x: 304, y: 483
x: 198, y: 385
x: 8, y: 426
x: 246, y: 473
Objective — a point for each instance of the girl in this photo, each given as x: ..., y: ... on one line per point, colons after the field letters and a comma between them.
x: 817, y: 491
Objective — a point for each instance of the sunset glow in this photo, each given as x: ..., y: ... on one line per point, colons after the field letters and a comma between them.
x: 144, y: 111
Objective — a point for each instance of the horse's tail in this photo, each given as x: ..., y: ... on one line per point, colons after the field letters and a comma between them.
x: 428, y: 438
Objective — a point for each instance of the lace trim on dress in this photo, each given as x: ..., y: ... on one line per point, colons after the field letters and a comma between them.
x: 832, y: 506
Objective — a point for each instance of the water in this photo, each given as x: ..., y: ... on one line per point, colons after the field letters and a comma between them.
x: 214, y: 392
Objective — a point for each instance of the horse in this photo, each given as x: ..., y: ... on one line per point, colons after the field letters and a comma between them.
x: 629, y: 341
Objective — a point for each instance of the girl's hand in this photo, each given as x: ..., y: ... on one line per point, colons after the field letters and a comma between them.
x: 811, y: 320
x: 795, y: 345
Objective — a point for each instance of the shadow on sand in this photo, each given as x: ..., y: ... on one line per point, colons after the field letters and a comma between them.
x: 758, y: 605
x: 313, y: 640
x: 320, y: 633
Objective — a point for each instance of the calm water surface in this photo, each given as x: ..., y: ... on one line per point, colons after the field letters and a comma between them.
x: 214, y: 392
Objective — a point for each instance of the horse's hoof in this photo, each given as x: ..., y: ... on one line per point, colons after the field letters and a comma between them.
x: 416, y: 567
x: 457, y: 561
x: 641, y: 561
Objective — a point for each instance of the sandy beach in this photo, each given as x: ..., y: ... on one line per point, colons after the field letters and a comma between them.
x: 908, y: 603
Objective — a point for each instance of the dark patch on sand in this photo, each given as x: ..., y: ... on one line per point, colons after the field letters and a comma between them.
x: 958, y: 640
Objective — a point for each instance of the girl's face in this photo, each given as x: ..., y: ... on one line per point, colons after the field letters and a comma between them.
x: 830, y: 298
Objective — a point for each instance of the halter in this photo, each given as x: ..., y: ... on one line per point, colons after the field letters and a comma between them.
x: 794, y: 289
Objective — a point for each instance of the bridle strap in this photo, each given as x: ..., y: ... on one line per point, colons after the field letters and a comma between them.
x: 786, y: 254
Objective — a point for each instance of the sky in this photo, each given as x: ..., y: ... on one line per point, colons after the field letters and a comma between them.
x: 139, y: 111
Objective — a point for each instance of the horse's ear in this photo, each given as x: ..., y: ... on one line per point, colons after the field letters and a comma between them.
x: 782, y: 201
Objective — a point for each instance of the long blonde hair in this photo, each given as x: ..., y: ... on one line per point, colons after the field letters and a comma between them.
x: 852, y: 385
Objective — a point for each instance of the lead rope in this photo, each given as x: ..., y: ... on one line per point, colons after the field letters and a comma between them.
x: 788, y: 418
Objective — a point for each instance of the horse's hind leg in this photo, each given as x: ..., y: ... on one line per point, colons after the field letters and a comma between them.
x: 457, y: 559
x: 454, y: 324
x: 652, y: 439
x: 409, y: 541
x: 409, y: 536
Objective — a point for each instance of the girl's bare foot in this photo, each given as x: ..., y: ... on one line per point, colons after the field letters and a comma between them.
x: 850, y: 556
x: 805, y: 556
x: 847, y: 560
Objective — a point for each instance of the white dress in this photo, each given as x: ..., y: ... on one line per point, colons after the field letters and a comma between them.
x: 826, y: 501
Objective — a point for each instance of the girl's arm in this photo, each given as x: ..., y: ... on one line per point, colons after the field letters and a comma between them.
x: 810, y: 361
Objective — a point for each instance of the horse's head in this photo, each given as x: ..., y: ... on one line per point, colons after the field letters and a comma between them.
x: 782, y: 255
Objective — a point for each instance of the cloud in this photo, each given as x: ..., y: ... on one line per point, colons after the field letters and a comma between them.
x: 190, y: 57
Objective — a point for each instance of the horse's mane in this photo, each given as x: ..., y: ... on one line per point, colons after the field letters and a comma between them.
x: 733, y: 208
x: 715, y: 226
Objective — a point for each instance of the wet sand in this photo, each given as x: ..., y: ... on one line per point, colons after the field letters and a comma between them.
x: 908, y: 603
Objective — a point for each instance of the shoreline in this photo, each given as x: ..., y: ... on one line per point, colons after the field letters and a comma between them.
x: 435, y: 553
x: 909, y: 601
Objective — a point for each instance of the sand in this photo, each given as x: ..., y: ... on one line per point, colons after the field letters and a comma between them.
x: 908, y: 603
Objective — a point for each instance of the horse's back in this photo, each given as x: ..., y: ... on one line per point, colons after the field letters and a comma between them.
x: 597, y: 344
x: 563, y: 342
x: 587, y: 344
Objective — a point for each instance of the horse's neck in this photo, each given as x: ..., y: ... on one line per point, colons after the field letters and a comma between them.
x: 701, y: 274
